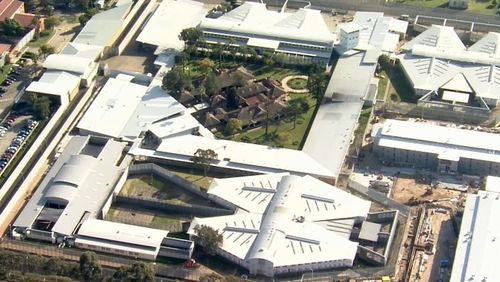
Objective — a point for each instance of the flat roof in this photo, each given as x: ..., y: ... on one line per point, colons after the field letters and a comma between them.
x: 432, y: 138
x: 477, y: 244
x: 54, y: 83
x: 333, y: 127
x: 456, y: 97
x: 124, y: 109
x: 123, y: 233
x: 492, y: 184
x: 304, y: 221
x: 168, y: 20
x: 80, y: 180
x: 112, y: 19
x: 236, y: 155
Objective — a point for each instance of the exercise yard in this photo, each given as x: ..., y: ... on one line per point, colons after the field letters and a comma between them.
x: 151, y: 186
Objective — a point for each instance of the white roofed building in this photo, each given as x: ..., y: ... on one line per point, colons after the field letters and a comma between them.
x: 285, y: 224
x: 83, y: 67
x: 445, y: 149
x: 477, y: 244
x: 124, y: 110
x: 57, y: 83
x: 163, y: 28
x: 302, y: 35
x: 437, y: 60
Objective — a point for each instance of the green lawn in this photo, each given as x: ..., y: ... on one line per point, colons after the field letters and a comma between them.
x: 277, y: 73
x: 382, y: 85
x: 159, y: 220
x: 297, y: 132
x: 475, y: 6
x: 41, y: 40
x: 297, y: 83
x: 155, y: 187
x: 194, y: 176
x: 5, y: 72
x: 364, y: 118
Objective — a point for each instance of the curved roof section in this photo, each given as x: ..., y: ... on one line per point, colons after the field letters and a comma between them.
x: 68, y: 63
x: 254, y: 19
x: 61, y: 191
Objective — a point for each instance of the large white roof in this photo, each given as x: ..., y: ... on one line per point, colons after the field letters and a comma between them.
x: 168, y: 20
x: 83, y: 182
x: 103, y: 27
x: 437, y: 55
x: 431, y: 138
x: 477, y: 244
x: 274, y: 231
x: 68, y: 63
x: 82, y: 50
x: 124, y: 233
x: 237, y: 155
x: 253, y: 19
x: 55, y: 83
x: 124, y: 109
x: 112, y: 107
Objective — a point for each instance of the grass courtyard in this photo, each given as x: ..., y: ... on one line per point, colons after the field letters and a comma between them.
x: 484, y: 7
x: 150, y: 186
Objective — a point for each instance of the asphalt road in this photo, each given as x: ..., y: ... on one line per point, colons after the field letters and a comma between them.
x: 396, y: 9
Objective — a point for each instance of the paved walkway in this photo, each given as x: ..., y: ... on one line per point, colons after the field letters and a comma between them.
x: 284, y: 84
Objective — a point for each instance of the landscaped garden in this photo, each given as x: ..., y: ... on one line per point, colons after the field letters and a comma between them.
x: 244, y: 93
x: 485, y: 7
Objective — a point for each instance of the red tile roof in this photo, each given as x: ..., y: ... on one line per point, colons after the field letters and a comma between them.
x: 4, y: 48
x: 25, y: 20
x: 8, y: 8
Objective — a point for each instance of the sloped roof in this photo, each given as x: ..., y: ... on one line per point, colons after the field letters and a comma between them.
x: 443, y: 37
x: 8, y: 8
x: 54, y: 83
x: 458, y: 83
x: 255, y: 20
x: 168, y: 20
x: 68, y: 63
x: 24, y: 19
x: 82, y: 50
x: 283, y: 219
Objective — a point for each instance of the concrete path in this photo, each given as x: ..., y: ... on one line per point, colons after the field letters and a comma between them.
x: 284, y: 84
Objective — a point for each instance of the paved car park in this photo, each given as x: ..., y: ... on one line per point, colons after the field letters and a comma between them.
x: 8, y: 93
x: 14, y: 131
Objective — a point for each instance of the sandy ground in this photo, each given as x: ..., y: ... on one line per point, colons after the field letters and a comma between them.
x: 406, y: 190
x: 445, y: 238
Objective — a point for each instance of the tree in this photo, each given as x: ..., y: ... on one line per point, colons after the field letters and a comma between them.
x: 191, y: 36
x: 267, y: 58
x: 316, y: 84
x: 211, y: 84
x: 138, y: 271
x: 41, y: 106
x: 239, y: 80
x: 203, y: 158
x: 176, y: 81
x: 294, y: 110
x: 208, y: 238
x: 51, y: 22
x: 46, y: 50
x: 280, y: 59
x: 90, y: 269
x: 89, y: 13
x: 206, y: 65
x: 12, y: 28
x: 233, y: 126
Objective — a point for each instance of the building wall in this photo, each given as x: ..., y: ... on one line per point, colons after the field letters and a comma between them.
x: 115, y: 251
x: 349, y: 40
x: 427, y: 160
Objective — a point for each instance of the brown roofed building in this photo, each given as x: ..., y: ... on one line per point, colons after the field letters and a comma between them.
x: 14, y: 9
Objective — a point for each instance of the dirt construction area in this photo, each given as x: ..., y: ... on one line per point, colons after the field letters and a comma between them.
x: 408, y: 191
x: 434, y: 263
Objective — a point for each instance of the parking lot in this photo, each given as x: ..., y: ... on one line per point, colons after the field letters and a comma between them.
x: 11, y: 91
x: 14, y: 131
